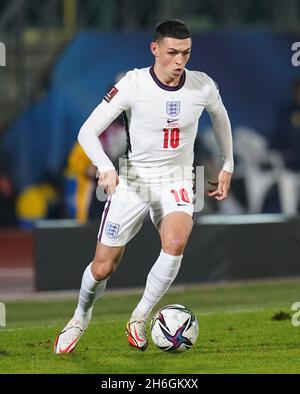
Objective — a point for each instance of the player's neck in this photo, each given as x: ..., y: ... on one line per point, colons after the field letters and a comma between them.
x: 165, y: 79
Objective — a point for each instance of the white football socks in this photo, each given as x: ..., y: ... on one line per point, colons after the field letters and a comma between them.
x: 90, y: 291
x: 159, y: 279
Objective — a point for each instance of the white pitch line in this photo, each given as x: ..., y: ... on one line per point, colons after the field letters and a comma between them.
x: 30, y: 294
x: 16, y: 272
x: 227, y: 311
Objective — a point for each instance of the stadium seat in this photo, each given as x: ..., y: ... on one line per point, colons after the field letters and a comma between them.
x: 261, y: 169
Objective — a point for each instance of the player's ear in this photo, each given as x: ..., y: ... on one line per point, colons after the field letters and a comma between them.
x: 154, y: 48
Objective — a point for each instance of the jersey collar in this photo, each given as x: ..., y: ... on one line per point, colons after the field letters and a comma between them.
x: 167, y: 87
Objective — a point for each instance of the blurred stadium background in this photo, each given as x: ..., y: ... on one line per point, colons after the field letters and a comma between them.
x: 61, y: 58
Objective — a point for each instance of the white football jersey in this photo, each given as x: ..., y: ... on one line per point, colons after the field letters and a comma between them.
x: 162, y: 120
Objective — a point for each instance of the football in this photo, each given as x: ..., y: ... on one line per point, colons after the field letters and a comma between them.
x: 174, y: 328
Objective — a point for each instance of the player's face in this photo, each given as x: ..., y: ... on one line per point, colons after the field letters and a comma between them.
x: 171, y: 56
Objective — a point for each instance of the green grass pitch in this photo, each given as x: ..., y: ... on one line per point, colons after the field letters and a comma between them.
x: 237, y: 334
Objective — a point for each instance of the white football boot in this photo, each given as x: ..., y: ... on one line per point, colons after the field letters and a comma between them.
x: 136, y: 333
x: 68, y: 338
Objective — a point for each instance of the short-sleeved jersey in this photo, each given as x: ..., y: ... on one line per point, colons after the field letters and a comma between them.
x: 163, y: 120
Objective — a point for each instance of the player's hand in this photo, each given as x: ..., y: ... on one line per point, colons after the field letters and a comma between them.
x: 221, y: 187
x: 109, y: 180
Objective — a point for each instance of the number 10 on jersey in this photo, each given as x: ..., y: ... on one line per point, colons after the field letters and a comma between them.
x: 171, y: 138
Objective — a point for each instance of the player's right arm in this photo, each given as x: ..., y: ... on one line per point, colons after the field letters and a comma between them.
x: 114, y: 102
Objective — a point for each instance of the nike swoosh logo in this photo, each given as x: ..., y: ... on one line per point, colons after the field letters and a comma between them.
x: 181, y: 205
x: 172, y: 120
x: 67, y: 349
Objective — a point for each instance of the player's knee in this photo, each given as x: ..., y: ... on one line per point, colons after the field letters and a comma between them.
x: 103, y: 269
x: 174, y: 246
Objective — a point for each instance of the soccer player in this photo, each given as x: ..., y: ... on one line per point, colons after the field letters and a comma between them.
x: 163, y: 104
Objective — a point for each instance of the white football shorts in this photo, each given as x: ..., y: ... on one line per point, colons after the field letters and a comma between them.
x: 125, y: 210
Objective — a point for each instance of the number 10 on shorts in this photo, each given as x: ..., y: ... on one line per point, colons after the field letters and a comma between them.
x: 181, y: 196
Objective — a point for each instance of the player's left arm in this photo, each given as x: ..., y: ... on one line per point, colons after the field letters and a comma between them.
x: 222, y: 131
x: 221, y: 187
